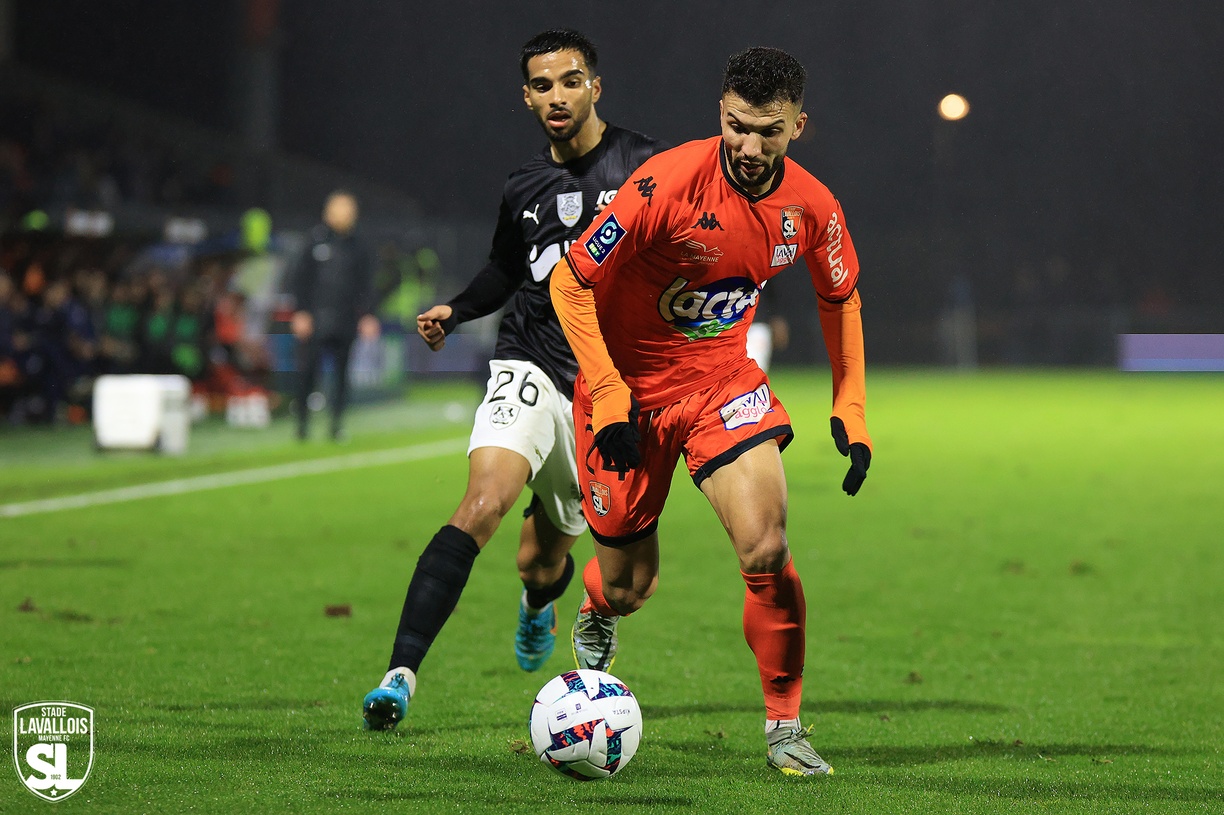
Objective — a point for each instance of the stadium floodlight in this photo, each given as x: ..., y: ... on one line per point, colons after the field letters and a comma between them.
x: 953, y: 107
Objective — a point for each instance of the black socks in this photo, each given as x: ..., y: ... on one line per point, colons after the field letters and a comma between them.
x: 441, y: 573
x: 538, y: 598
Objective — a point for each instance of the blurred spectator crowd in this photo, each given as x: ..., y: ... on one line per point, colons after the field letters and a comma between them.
x: 73, y: 310
x: 49, y: 159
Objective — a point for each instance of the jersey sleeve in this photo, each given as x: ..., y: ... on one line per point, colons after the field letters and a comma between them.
x: 842, y: 327
x: 574, y: 303
x: 493, y: 286
x: 834, y: 268
x: 831, y: 260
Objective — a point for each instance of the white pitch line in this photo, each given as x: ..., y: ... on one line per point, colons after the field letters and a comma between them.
x: 179, y: 486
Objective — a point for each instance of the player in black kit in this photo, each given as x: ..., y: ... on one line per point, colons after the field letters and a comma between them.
x: 523, y: 434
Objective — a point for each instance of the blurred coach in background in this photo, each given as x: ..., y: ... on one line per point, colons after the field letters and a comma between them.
x: 333, y: 287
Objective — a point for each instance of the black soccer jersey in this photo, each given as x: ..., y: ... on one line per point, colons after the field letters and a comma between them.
x: 545, y: 207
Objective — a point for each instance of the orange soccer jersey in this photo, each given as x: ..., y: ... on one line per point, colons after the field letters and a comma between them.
x: 676, y: 263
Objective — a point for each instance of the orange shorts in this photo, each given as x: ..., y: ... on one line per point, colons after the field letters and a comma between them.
x: 710, y: 428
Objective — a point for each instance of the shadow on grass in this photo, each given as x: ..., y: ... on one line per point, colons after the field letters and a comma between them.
x: 489, y: 791
x: 269, y: 703
x: 543, y: 796
x: 930, y: 754
x: 1131, y: 794
x: 852, y: 706
x: 65, y: 563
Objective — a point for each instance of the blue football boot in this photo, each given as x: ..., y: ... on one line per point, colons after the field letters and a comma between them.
x: 536, y: 635
x: 388, y: 703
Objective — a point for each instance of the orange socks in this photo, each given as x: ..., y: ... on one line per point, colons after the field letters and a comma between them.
x: 592, y: 580
x: 775, y: 618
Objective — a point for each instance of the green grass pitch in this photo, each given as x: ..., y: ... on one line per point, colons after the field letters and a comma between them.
x: 1022, y: 611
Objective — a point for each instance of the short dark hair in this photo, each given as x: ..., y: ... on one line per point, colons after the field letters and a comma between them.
x: 558, y: 39
x: 762, y: 75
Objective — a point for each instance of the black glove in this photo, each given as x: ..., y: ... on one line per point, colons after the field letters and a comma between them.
x: 860, y: 456
x: 618, y: 443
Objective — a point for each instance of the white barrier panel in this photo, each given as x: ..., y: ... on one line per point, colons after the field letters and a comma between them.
x: 142, y: 412
x: 1171, y: 352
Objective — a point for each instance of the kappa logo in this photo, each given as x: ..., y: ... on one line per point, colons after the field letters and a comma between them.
x: 708, y: 220
x: 503, y: 415
x: 748, y: 408
x: 53, y: 747
x: 700, y: 253
x: 784, y: 254
x: 569, y: 207
x: 646, y: 187
x: 601, y: 498
x: 601, y: 244
x: 533, y: 214
x: 791, y: 217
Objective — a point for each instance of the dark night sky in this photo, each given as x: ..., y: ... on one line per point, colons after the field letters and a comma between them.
x: 1096, y: 133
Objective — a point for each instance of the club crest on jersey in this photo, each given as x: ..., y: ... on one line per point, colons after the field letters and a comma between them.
x: 605, y: 239
x: 569, y: 207
x: 748, y: 408
x: 601, y: 498
x: 791, y: 216
x: 784, y: 254
x: 709, y: 310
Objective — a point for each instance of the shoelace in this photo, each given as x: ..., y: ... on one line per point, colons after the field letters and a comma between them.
x: 795, y: 735
x: 538, y: 629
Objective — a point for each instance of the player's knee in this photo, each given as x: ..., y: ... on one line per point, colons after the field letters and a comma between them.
x: 481, y: 513
x: 492, y: 504
x: 762, y: 552
x: 628, y: 599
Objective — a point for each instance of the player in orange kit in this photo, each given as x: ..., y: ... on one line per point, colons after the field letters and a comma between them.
x: 655, y: 299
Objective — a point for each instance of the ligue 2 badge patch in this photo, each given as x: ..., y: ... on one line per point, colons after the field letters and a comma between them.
x: 53, y: 747
x: 601, y: 244
x: 791, y: 216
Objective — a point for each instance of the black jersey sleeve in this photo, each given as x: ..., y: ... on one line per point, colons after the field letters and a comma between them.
x: 496, y: 283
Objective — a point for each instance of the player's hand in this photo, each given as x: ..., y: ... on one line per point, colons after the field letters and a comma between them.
x: 859, y: 453
x: 302, y: 325
x: 619, y: 443
x: 429, y: 326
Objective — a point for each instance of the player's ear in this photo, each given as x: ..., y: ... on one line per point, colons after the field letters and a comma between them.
x: 800, y: 121
x: 527, y: 97
x: 596, y: 89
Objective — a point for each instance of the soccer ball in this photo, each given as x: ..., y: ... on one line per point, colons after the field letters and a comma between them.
x: 585, y: 724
